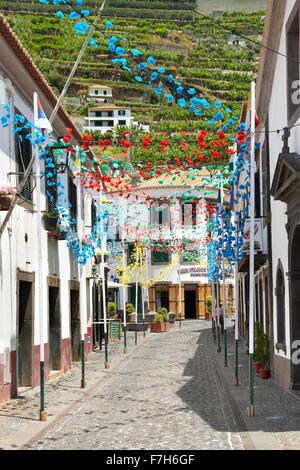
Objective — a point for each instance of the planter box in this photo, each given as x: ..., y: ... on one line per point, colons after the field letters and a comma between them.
x: 265, y: 374
x: 50, y: 224
x: 257, y: 367
x: 160, y: 327
x: 57, y: 234
x: 5, y: 203
x: 208, y: 316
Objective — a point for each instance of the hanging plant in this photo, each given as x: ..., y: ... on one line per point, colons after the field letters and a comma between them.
x: 50, y: 221
x: 7, y: 195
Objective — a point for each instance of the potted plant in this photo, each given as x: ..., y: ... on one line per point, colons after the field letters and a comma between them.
x: 129, y: 310
x: 52, y: 224
x: 208, y: 314
x: 160, y: 321
x: 50, y: 221
x: 112, y: 309
x: 7, y: 194
x: 258, y: 338
x: 265, y: 358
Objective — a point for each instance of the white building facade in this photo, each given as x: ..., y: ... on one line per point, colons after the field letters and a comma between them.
x: 105, y: 118
x: 278, y: 106
x: 173, y: 233
x: 67, y: 292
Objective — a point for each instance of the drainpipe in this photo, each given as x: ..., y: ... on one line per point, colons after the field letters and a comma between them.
x: 270, y: 253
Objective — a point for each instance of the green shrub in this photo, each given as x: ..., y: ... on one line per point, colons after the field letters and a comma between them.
x: 112, y: 309
x: 129, y: 309
x: 163, y: 311
x: 160, y: 318
x: 209, y: 303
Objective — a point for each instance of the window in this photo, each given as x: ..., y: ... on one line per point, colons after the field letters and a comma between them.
x: 293, y: 74
x: 72, y: 190
x: 96, y: 92
x: 23, y: 150
x: 189, y: 214
x: 280, y: 305
x: 160, y: 214
x: 162, y: 299
x: 122, y: 122
x: 51, y: 190
x: 105, y: 92
x: 191, y: 253
x: 160, y: 255
x: 122, y: 112
x: 93, y: 214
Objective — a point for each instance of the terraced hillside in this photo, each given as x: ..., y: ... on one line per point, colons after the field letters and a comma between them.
x: 195, y: 49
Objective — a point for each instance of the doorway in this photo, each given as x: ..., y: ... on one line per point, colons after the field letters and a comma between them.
x: 295, y: 304
x: 75, y: 326
x: 162, y: 299
x: 25, y: 334
x: 54, y: 329
x: 132, y: 297
x: 190, y: 300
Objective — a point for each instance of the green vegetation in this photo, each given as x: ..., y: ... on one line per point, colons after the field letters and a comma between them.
x: 129, y: 309
x: 111, y: 309
x: 195, y: 50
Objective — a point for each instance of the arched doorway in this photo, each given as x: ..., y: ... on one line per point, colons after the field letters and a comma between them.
x: 295, y: 303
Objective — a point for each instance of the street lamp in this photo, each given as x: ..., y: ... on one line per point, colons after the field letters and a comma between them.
x: 60, y: 155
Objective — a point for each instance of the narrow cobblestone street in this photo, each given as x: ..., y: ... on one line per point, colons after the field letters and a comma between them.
x: 170, y: 392
x: 167, y: 396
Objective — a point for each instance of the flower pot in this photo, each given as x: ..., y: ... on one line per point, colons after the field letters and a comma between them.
x: 257, y: 367
x: 265, y: 373
x: 50, y: 223
x: 159, y: 327
x: 5, y: 203
x: 57, y: 234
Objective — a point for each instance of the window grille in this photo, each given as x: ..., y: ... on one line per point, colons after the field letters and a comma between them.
x: 23, y: 152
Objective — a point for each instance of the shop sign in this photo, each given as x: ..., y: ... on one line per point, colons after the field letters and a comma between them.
x: 194, y: 271
x: 258, y: 236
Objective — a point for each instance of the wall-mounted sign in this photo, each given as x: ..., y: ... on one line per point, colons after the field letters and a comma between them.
x: 258, y: 236
x: 194, y: 271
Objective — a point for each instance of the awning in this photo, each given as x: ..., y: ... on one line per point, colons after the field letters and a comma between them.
x: 114, y: 285
x: 259, y: 261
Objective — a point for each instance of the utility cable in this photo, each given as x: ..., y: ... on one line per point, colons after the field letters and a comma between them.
x: 31, y: 163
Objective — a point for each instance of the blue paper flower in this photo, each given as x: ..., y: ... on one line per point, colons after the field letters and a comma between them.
x: 153, y: 76
x: 136, y: 52
x: 120, y: 50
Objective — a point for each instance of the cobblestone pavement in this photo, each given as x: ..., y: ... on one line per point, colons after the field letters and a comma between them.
x: 278, y: 410
x: 20, y: 414
x: 166, y: 396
